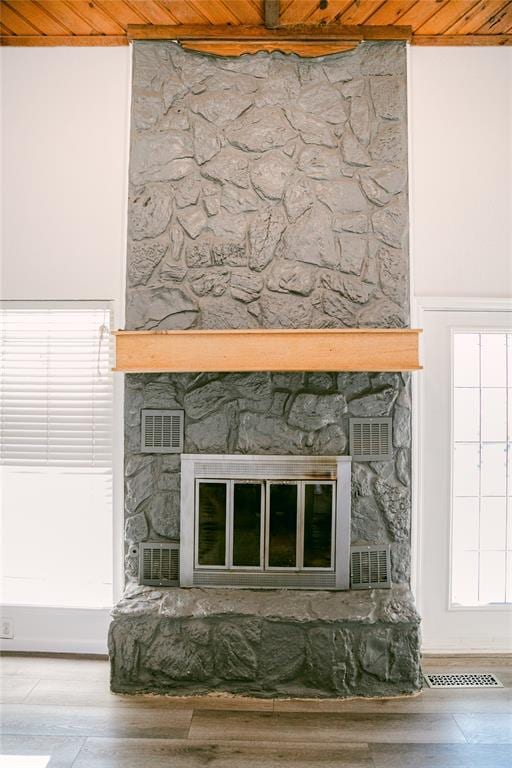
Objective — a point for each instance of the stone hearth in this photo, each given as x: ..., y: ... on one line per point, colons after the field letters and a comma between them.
x: 266, y: 643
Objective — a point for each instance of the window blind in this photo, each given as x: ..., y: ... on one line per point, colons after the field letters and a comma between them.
x: 55, y: 386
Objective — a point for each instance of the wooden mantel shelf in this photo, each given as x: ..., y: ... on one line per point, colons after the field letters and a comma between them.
x: 194, y: 351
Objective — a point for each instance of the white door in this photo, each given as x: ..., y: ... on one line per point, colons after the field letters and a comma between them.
x: 463, y: 526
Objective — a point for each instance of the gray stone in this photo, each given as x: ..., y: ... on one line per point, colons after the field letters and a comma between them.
x: 210, y: 281
x: 154, y: 151
x: 320, y: 162
x: 264, y: 234
x: 147, y: 108
x: 228, y: 225
x: 381, y: 184
x: 322, y: 99
x: 236, y: 200
x: 310, y: 412
x: 198, y: 255
x: 395, y: 504
x: 207, y: 141
x: 393, y: 280
x: 257, y: 65
x: 330, y: 440
x: 298, y: 198
x: 210, y: 434
x: 352, y: 289
x: 236, y: 647
x: 336, y: 306
x: 160, y: 394
x: 188, y: 194
x: 193, y: 220
x: 389, y: 224
x: 383, y: 59
x: 290, y: 277
x: 375, y: 654
x: 143, y: 259
x: 352, y: 222
x: 402, y: 466
x: 388, y: 143
x: 310, y: 240
x: 205, y: 400
x: 135, y: 529
x: 260, y: 433
x: 220, y: 107
x: 174, y: 88
x: 353, y: 252
x: 270, y: 174
x: 330, y: 663
x: 289, y: 312
x: 401, y: 427
x: 361, y: 479
x: 150, y: 211
x: 341, y: 196
x: 366, y: 524
x: 246, y: 287
x: 387, y: 96
x: 229, y: 164
x: 140, y: 485
x: 383, y: 313
x: 360, y: 119
x: 160, y: 307
x: 354, y: 88
x: 311, y: 128
x: 373, y: 404
x: 353, y: 151
x: 162, y: 511
x: 226, y: 80
x: 230, y: 253
x: 260, y: 130
x: 174, y: 655
x: 282, y: 652
x: 353, y: 384
x: 226, y: 312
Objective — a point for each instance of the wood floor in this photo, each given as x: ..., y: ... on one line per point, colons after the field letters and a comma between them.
x: 58, y: 713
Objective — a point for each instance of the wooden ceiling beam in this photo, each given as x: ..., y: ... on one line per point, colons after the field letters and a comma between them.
x: 459, y: 40
x: 271, y: 10
x: 290, y: 33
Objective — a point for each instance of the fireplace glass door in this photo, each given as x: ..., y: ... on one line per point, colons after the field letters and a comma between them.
x: 280, y: 525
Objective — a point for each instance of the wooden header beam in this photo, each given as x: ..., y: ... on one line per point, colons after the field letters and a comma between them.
x: 331, y: 349
x: 290, y: 33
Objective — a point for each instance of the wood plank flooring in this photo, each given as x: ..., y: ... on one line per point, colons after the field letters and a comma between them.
x: 59, y: 713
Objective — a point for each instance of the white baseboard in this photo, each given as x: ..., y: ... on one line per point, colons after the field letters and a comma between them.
x: 57, y: 630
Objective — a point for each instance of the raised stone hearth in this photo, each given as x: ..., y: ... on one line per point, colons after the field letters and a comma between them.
x: 266, y: 643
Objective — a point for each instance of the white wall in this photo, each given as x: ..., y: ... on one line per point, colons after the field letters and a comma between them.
x: 461, y: 171
x: 64, y: 150
x: 65, y: 130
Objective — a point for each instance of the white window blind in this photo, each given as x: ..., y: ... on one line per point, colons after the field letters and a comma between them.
x: 55, y: 387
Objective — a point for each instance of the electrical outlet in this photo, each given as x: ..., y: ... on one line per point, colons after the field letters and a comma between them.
x: 6, y: 629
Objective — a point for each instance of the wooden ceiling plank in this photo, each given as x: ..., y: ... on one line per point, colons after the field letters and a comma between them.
x: 18, y: 24
x: 5, y: 31
x: 390, y: 12
x: 184, y: 12
x: 245, y: 11
x: 153, y: 13
x: 290, y: 32
x: 121, y: 12
x: 297, y: 12
x: 38, y: 17
x: 498, y: 23
x: 475, y: 17
x: 32, y: 41
x: 100, y: 22
x: 331, y: 14
x: 66, y: 16
x: 477, y: 40
x: 254, y: 11
x: 445, y: 17
x: 361, y: 11
x: 215, y: 13
x: 421, y: 11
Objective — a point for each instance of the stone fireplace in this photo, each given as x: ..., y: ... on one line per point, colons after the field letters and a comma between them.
x: 268, y: 191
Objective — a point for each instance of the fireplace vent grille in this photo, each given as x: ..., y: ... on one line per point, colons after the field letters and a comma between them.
x: 159, y: 564
x: 370, y: 567
x: 161, y: 431
x: 370, y: 439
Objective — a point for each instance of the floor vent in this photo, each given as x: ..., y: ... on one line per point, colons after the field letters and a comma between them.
x: 159, y: 564
x: 161, y: 431
x: 370, y: 439
x: 370, y: 567
x: 463, y: 680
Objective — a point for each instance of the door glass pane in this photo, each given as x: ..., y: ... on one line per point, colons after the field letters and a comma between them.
x: 212, y: 524
x: 466, y: 353
x: 494, y: 469
x: 466, y: 415
x: 494, y: 360
x: 282, y: 538
x: 466, y: 458
x: 492, y: 577
x: 247, y: 524
x: 465, y: 523
x: 465, y: 578
x: 493, y: 523
x: 317, y: 525
x: 494, y: 414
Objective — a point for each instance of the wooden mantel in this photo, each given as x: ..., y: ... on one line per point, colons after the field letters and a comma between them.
x: 193, y: 351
